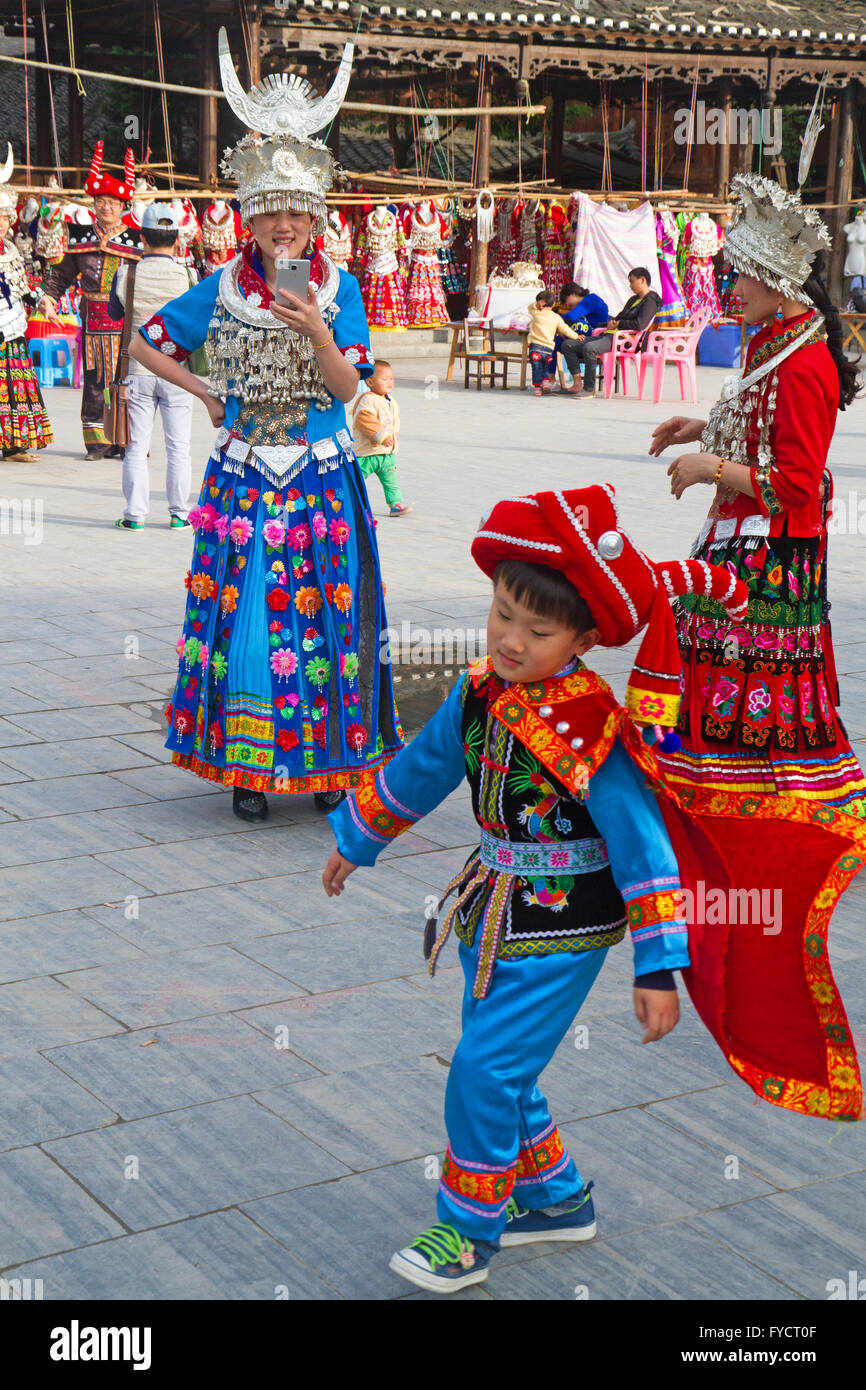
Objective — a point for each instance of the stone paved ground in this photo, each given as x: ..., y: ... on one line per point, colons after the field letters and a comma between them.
x: 154, y: 1142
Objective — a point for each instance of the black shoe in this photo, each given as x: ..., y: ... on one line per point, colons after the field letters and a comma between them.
x: 96, y: 453
x: 328, y: 801
x: 247, y: 805
x: 114, y: 451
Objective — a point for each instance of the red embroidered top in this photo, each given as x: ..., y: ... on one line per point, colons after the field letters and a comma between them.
x: 807, y: 401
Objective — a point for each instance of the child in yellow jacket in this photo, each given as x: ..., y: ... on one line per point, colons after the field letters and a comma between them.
x: 375, y: 427
x: 544, y: 324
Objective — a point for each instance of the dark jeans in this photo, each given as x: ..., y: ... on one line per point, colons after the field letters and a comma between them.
x: 588, y: 353
x: 541, y: 361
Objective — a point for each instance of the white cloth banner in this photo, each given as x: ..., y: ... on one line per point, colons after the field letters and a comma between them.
x: 608, y: 244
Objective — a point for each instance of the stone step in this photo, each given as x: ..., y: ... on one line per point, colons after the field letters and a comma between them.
x: 415, y: 342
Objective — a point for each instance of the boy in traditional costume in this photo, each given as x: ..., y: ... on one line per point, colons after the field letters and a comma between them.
x: 93, y: 256
x: 581, y: 838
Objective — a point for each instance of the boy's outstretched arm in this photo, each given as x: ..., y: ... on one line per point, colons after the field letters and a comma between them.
x: 645, y: 871
x: 412, y: 784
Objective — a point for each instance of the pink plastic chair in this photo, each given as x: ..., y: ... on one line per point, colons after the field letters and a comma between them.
x: 677, y: 349
x: 623, y: 349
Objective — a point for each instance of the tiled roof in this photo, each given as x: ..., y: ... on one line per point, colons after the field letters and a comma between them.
x: 839, y: 23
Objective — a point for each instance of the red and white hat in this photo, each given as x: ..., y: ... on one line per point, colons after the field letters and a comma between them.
x: 98, y: 182
x: 577, y: 532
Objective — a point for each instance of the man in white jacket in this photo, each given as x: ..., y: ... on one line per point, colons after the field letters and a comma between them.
x: 158, y: 279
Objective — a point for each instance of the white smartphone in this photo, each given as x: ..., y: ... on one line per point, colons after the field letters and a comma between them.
x: 294, y: 276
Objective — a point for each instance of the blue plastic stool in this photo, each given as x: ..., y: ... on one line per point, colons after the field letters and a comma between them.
x: 52, y: 359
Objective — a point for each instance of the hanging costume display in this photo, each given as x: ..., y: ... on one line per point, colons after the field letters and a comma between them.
x: 673, y: 311
x: 24, y: 421
x: 425, y: 298
x: 702, y: 239
x: 190, y: 245
x: 382, y: 253
x: 280, y: 686
x: 220, y: 234
x: 554, y: 262
x: 454, y: 273
x: 582, y: 840
x: 531, y: 217
x: 91, y: 260
x: 765, y: 720
x: 508, y: 241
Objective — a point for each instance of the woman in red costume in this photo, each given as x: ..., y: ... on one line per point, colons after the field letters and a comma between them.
x: 759, y: 708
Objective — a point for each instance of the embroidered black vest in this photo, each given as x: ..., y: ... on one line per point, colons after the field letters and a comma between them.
x: 560, y: 899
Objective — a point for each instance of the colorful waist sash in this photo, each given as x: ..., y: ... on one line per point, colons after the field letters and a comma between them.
x: 547, y: 860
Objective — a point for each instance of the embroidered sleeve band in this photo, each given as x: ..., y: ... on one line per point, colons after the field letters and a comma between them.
x: 158, y: 336
x: 767, y: 496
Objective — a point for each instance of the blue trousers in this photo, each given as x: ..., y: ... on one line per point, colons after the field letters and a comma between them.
x: 501, y: 1138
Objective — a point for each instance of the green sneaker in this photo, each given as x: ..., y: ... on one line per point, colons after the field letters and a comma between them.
x: 124, y: 525
x: 180, y: 523
x: 443, y: 1261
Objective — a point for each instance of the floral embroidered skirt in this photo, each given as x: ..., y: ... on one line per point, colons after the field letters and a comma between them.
x: 384, y: 300
x: 24, y: 423
x: 759, y: 705
x: 425, y: 297
x: 554, y: 268
x: 280, y: 685
x: 673, y: 309
x: 454, y: 277
x: 699, y: 287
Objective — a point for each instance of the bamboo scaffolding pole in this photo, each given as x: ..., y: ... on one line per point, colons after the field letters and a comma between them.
x: 376, y: 107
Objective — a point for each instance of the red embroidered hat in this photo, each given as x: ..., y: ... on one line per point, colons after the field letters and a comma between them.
x: 577, y: 532
x: 98, y: 182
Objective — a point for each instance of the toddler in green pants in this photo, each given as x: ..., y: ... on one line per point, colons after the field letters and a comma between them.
x: 375, y: 426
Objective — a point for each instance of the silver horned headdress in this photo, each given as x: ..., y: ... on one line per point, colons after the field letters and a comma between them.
x: 282, y: 166
x: 8, y: 196
x: 774, y: 237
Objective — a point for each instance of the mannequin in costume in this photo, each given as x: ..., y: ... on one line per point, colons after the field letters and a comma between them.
x: 280, y: 686
x: 24, y: 422
x: 702, y: 239
x: 94, y: 253
x: 673, y: 309
x: 759, y: 711
x: 581, y: 840
x: 554, y: 261
x: 425, y: 298
x: 220, y: 233
x: 382, y: 253
x: 336, y: 240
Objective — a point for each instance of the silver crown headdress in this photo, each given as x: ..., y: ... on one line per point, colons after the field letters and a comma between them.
x: 774, y: 237
x: 282, y: 167
x: 8, y: 196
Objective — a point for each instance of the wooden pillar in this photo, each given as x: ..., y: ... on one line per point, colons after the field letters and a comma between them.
x: 557, y: 135
x: 44, y: 144
x: 75, y: 128
x: 832, y: 150
x: 254, y: 26
x: 841, y: 192
x: 207, y: 120
x: 478, y: 274
x: 722, y: 173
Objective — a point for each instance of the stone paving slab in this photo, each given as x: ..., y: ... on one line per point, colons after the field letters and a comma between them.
x: 339, y: 956
x: 36, y: 841
x: 804, y: 1238
x: 182, y: 984
x: 358, y: 1027
x: 98, y: 721
x: 153, y: 1070
x: 38, y: 1102
x: 224, y: 1256
x: 370, y: 1117
x: 25, y: 891
x: 784, y: 1149
x: 65, y: 759
x: 56, y: 942
x: 44, y: 1210
x: 193, y: 1161
x: 666, y: 1262
x: 172, y: 921
x: 230, y: 859
x: 59, y: 796
x: 41, y: 1013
